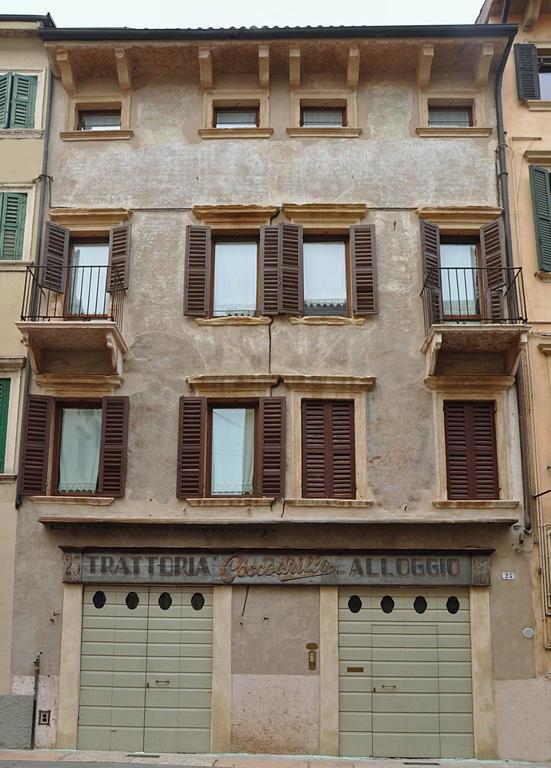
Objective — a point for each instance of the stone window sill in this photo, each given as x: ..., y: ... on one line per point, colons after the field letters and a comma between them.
x: 472, y: 131
x: 96, y: 135
x: 322, y: 133
x: 14, y: 265
x: 335, y: 503
x: 21, y: 133
x: 544, y: 276
x: 228, y: 501
x: 327, y: 320
x: 233, y: 320
x: 5, y: 478
x: 538, y: 105
x: 475, y: 504
x: 87, y: 501
x: 235, y: 133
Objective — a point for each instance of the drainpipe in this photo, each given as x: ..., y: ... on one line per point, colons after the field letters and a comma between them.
x: 36, y: 664
x: 502, y: 176
x: 43, y: 190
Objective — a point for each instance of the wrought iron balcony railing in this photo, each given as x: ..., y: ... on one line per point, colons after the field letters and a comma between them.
x: 89, y: 293
x: 473, y: 295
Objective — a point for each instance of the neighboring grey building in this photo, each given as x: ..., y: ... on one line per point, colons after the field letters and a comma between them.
x: 271, y: 489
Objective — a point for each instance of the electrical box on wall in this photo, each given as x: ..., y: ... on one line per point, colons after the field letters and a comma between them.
x: 44, y: 716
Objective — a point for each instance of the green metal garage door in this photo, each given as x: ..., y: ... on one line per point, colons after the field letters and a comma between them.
x: 405, y: 672
x: 146, y: 669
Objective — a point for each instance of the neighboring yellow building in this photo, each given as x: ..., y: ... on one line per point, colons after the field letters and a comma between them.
x: 526, y: 98
x: 23, y: 137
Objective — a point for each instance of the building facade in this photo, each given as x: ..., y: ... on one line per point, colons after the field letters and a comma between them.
x: 271, y: 490
x: 525, y: 104
x: 23, y: 119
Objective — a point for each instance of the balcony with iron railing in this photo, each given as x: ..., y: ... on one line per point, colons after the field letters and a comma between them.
x: 77, y: 328
x: 474, y: 311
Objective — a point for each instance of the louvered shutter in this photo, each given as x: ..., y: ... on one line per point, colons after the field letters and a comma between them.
x: 119, y: 258
x: 343, y: 471
x: 272, y: 448
x: 192, y: 429
x: 35, y: 444
x: 541, y: 201
x: 471, y: 456
x: 291, y: 265
x: 269, y: 278
x: 430, y: 249
x: 328, y: 447
x: 526, y: 61
x: 485, y: 478
x: 54, y: 258
x: 363, y: 262
x: 492, y: 245
x: 114, y: 446
x: 314, y: 449
x: 198, y: 268
x: 13, y: 206
x: 5, y: 82
x: 23, y: 96
x: 4, y: 409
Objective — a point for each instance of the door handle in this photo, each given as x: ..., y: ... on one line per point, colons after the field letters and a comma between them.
x: 388, y: 686
x: 163, y: 681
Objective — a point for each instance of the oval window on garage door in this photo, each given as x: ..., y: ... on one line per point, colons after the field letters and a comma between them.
x: 132, y: 600
x: 197, y: 601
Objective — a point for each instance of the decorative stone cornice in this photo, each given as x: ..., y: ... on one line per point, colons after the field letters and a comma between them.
x: 469, y: 383
x: 323, y: 133
x: 539, y: 156
x: 545, y: 347
x: 325, y: 215
x: 340, y: 383
x: 75, y: 385
x: 469, y: 132
x: 106, y: 135
x: 234, y: 320
x: 235, y: 216
x: 236, y: 385
x: 12, y: 363
x: 326, y: 320
x: 235, y: 133
x: 466, y: 218
x: 93, y: 218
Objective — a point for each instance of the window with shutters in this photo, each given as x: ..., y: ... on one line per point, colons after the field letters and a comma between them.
x: 471, y: 452
x: 17, y: 100
x: 89, y: 446
x: 326, y: 277
x: 328, y: 449
x: 234, y: 290
x: 533, y: 67
x: 86, y: 292
x: 13, y: 208
x: 460, y: 277
x: 283, y: 274
x: 231, y: 448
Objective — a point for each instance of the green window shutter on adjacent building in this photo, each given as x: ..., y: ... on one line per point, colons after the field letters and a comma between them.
x: 4, y: 403
x: 23, y: 96
x: 541, y: 200
x: 13, y: 206
x: 17, y: 100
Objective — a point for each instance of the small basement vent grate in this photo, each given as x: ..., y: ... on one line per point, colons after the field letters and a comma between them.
x: 140, y: 754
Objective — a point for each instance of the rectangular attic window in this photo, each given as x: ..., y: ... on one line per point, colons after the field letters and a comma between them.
x: 235, y: 117
x: 99, y: 120
x: 452, y: 116
x: 323, y: 117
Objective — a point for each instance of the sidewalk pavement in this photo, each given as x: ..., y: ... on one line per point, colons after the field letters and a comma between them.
x: 10, y: 756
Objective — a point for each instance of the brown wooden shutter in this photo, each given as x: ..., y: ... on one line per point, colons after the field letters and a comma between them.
x: 197, y: 271
x: 55, y: 255
x: 343, y: 469
x: 430, y: 249
x: 526, y: 61
x: 292, y: 272
x: 328, y: 448
x: 272, y: 447
x: 35, y: 444
x: 114, y: 446
x: 269, y: 278
x: 471, y: 455
x: 314, y: 450
x: 192, y: 432
x: 363, y: 262
x: 119, y: 258
x: 492, y: 245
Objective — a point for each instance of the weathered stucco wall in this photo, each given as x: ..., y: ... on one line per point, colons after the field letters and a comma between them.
x: 160, y: 174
